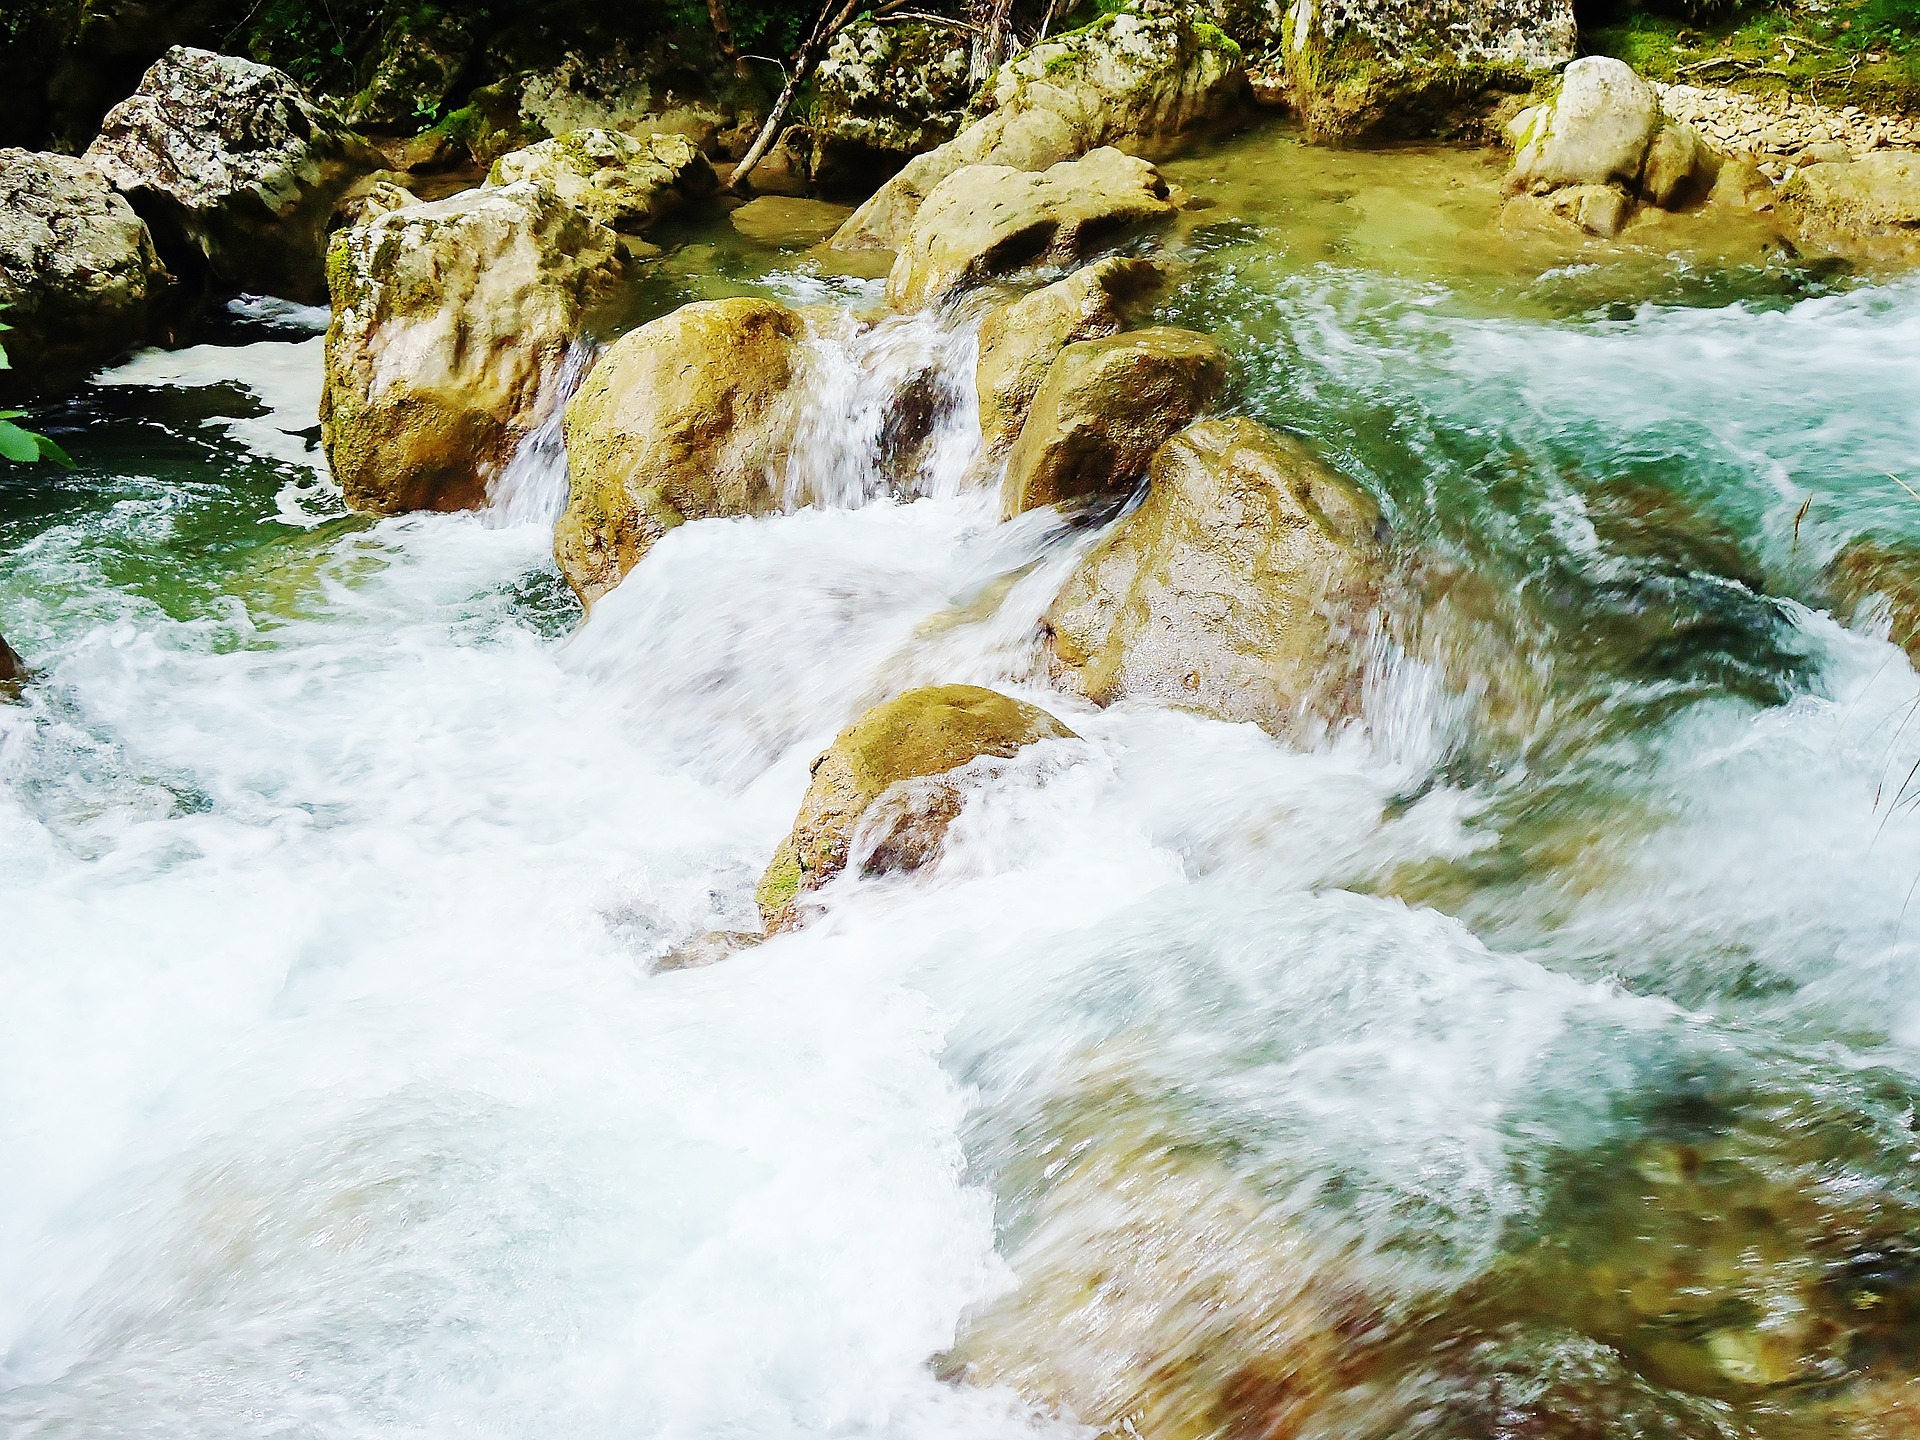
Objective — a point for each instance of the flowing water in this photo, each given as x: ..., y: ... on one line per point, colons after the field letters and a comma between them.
x: 1538, y: 1057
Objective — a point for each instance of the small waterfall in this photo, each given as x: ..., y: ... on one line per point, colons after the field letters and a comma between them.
x: 531, y: 488
x: 887, y: 409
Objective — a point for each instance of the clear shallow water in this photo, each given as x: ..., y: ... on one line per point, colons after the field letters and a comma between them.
x: 1561, y: 1048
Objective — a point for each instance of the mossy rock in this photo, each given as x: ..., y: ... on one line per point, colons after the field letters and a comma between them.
x: 920, y: 735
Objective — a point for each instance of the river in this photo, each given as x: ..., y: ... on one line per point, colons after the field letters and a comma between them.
x: 1548, y: 1044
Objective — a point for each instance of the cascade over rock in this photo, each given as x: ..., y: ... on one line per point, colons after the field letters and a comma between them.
x: 1868, y: 569
x: 452, y: 323
x: 920, y: 735
x: 1869, y: 206
x: 1395, y: 69
x: 234, y: 162
x: 1136, y: 79
x: 1605, y: 132
x: 883, y: 94
x: 625, y: 182
x: 990, y: 220
x: 685, y: 418
x: 1106, y: 406
x: 1019, y: 342
x: 1239, y: 587
x: 79, y: 278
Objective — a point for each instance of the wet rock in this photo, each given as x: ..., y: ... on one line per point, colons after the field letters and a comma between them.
x: 452, y: 324
x: 421, y: 57
x: 13, y: 671
x: 1105, y: 407
x: 232, y: 162
x: 993, y: 219
x: 918, y: 736
x: 685, y: 418
x: 1394, y: 69
x: 883, y: 94
x: 1019, y: 342
x: 1870, y: 207
x: 1240, y: 587
x: 1867, y: 570
x: 787, y: 167
x: 706, y: 949
x: 1605, y: 131
x: 1136, y: 79
x: 787, y: 221
x: 623, y: 181
x: 79, y: 278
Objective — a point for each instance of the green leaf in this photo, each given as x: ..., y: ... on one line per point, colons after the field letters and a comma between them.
x: 11, y: 414
x: 20, y: 446
x: 53, y: 454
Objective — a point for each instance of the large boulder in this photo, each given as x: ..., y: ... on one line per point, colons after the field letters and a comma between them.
x: 1020, y: 341
x: 422, y: 54
x: 917, y: 736
x: 990, y: 220
x: 624, y: 181
x: 1136, y: 79
x: 1398, y: 69
x: 452, y: 324
x: 1240, y: 587
x: 79, y: 278
x: 233, y: 162
x: 1604, y: 131
x: 883, y: 94
x: 1869, y: 206
x: 1107, y: 405
x: 685, y: 418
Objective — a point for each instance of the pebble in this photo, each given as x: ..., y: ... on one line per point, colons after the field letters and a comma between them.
x: 1780, y: 128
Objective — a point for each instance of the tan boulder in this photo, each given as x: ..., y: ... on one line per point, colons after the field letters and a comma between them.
x: 1240, y: 587
x: 626, y: 182
x: 1870, y: 570
x: 1019, y: 342
x: 685, y: 418
x: 1137, y: 79
x: 1106, y: 406
x: 452, y: 323
x: 917, y: 736
x: 992, y: 219
x: 1869, y: 207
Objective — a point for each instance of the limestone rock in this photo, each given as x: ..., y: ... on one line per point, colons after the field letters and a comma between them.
x: 1870, y: 207
x: 993, y: 219
x: 13, y: 671
x: 79, y: 278
x: 917, y: 736
x: 883, y: 94
x: 420, y: 60
x: 1239, y: 587
x: 1106, y: 406
x: 1019, y: 342
x: 1605, y: 130
x: 1397, y: 69
x: 1865, y: 569
x: 625, y: 182
x: 452, y: 323
x: 233, y: 161
x: 1136, y: 79
x: 684, y: 418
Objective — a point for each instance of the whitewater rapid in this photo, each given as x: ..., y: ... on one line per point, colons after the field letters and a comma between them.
x: 340, y: 1093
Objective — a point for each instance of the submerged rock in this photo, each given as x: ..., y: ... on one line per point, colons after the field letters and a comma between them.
x: 625, y: 182
x: 1602, y: 145
x: 1397, y: 69
x: 1019, y: 342
x: 1867, y: 570
x: 1106, y: 406
x: 787, y: 220
x: 79, y: 277
x: 1136, y: 79
x: 883, y: 94
x: 685, y: 418
x: 452, y: 324
x: 989, y: 220
x: 920, y: 735
x: 233, y: 162
x: 1869, y: 206
x: 1240, y: 587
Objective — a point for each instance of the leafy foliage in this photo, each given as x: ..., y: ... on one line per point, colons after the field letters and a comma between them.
x: 22, y: 446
